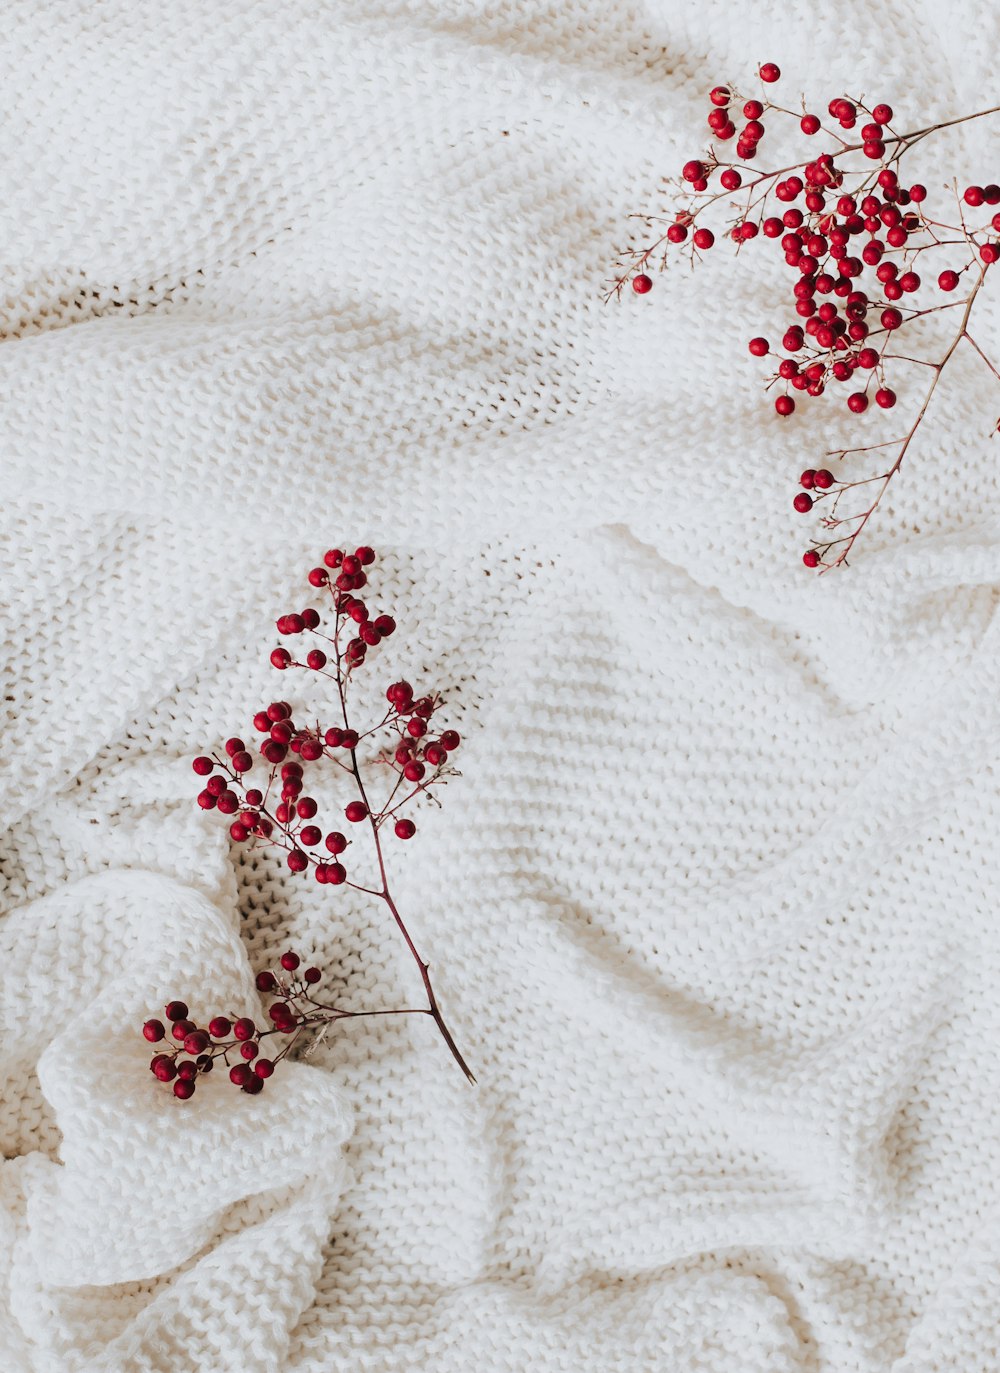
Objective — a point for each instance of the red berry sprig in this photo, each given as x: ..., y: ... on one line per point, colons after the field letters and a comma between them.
x: 276, y: 812
x: 239, y: 1041
x: 852, y: 237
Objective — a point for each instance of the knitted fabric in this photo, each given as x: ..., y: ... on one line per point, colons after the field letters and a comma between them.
x: 711, y: 910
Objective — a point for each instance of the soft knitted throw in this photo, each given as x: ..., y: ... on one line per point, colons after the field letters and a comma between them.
x: 712, y: 909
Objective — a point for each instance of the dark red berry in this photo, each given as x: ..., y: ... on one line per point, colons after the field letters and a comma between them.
x: 803, y: 502
x: 641, y: 284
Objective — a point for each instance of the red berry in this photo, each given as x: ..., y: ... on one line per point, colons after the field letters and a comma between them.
x: 885, y: 398
x: 163, y: 1068
x: 759, y: 347
x: 808, y: 478
x: 153, y: 1030
x: 385, y: 624
x: 948, y: 281
x: 240, y: 1074
x: 265, y: 981
x: 196, y: 1042
x: 180, y: 1029
x: 336, y: 842
x: 451, y: 739
x: 891, y: 319
x: 910, y: 281
x: 297, y: 861
x: 918, y: 193
x: 784, y: 405
x: 334, y: 873
x: 312, y: 975
x: 356, y: 811
x: 809, y: 124
x: 184, y: 1089
x: 316, y: 659
x: 824, y: 479
x: 249, y: 1050
x: 405, y: 829
x: 704, y: 238
x: 693, y: 171
x: 244, y: 1028
x: 310, y: 835
x: 280, y: 658
x: 176, y: 1010
x: 719, y: 96
x: 770, y: 72
x: 731, y: 179
x: 263, y: 1067
x: 803, y: 503
x: 206, y: 800
x: 858, y: 402
x: 641, y: 284
x: 811, y: 558
x: 677, y: 233
x: 203, y: 766
x: 219, y: 1026
x: 882, y: 114
x: 974, y: 196
x: 989, y: 252
x: 290, y: 961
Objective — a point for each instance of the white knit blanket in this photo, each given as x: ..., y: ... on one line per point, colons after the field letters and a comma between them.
x: 712, y: 909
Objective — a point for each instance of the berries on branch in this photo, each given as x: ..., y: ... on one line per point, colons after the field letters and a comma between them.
x: 852, y: 236
x: 405, y: 757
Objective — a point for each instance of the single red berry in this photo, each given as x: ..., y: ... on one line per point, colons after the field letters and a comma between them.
x: 891, y: 319
x: 824, y: 479
x: 184, y: 1089
x: 319, y: 576
x: 677, y: 233
x: 809, y: 124
x: 803, y: 502
x: 989, y: 252
x: 240, y: 1073
x: 265, y: 981
x: 206, y: 800
x: 176, y: 1010
x: 405, y: 829
x: 334, y: 873
x: 918, y: 193
x: 242, y: 762
x: 234, y: 746
x: 703, y: 239
x: 154, y: 1030
x: 244, y: 1028
x: 910, y: 281
x: 811, y: 558
x: 316, y: 659
x: 414, y: 771
x: 336, y: 842
x: 290, y: 961
x: 263, y: 1067
x: 808, y: 478
x: 333, y: 557
x: 858, y: 402
x: 641, y: 284
x: 163, y: 1068
x: 280, y: 658
x: 974, y: 196
x: 180, y: 1029
x: 238, y: 832
x: 770, y: 72
x: 249, y: 1050
x: 693, y: 171
x: 885, y: 398
x: 297, y: 861
x: 356, y: 811
x: 948, y: 280
x: 731, y: 179
x: 784, y: 405
x: 254, y: 1085
x: 451, y: 739
x: 203, y: 766
x: 719, y: 96
x: 385, y: 624
x: 196, y: 1042
x: 219, y: 1027
x: 759, y: 347
x: 992, y: 194
x: 310, y: 835
x: 312, y: 975
x: 435, y: 753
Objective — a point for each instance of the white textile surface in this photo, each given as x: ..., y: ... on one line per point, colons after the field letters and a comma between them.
x: 712, y: 909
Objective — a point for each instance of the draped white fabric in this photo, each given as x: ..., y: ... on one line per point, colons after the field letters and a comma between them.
x: 712, y: 908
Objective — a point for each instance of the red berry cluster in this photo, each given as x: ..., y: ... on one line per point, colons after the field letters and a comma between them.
x: 293, y: 1011
x: 278, y: 812
x: 852, y: 235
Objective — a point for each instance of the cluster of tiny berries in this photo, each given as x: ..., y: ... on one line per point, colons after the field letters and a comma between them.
x: 197, y: 1048
x: 278, y: 812
x: 851, y: 240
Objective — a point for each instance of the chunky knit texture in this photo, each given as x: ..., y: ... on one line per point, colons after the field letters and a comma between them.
x: 712, y: 909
